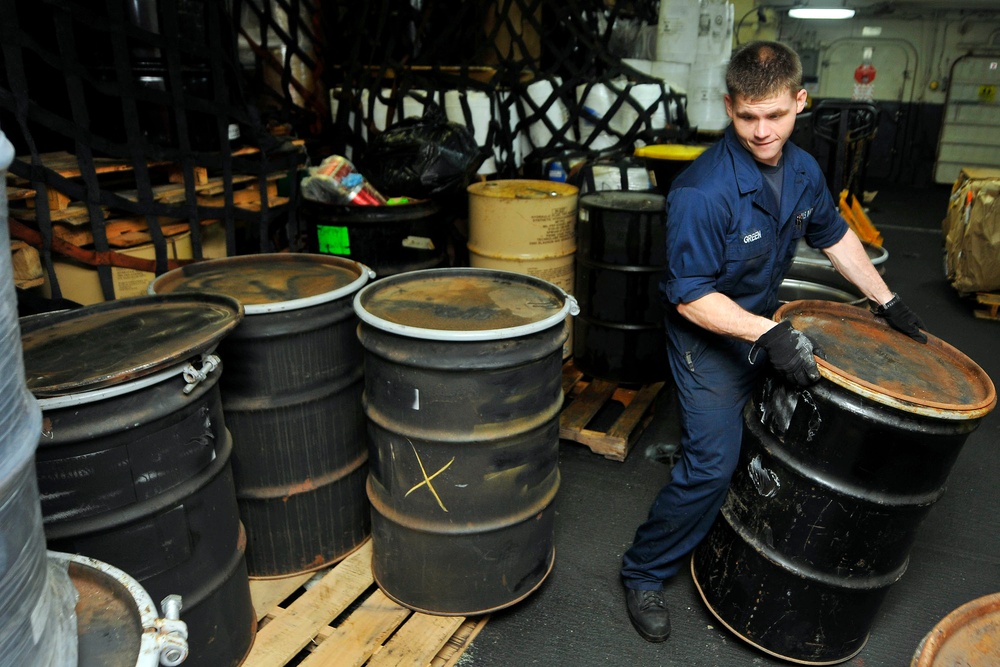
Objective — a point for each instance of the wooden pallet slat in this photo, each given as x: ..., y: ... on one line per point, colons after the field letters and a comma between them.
x: 344, y: 620
x: 356, y: 639
x: 585, y: 406
x: 267, y: 593
x: 992, y: 303
x: 417, y: 642
x: 635, y: 411
x: 281, y: 639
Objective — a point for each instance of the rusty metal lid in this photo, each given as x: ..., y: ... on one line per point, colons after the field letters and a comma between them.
x: 116, y: 617
x: 269, y: 283
x: 522, y: 188
x: 118, y: 341
x: 864, y: 354
x: 968, y: 636
x: 463, y: 304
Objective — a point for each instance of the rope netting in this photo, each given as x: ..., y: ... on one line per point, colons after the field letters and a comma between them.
x: 230, y: 95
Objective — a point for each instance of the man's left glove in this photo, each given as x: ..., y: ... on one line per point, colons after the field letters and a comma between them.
x: 901, y: 318
x: 791, y: 353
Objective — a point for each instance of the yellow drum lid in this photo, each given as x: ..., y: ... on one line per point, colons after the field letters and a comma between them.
x: 675, y: 152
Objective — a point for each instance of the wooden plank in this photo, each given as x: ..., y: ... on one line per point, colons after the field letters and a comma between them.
x: 417, y: 642
x: 571, y: 375
x: 26, y: 265
x: 74, y: 213
x: 585, y: 406
x: 281, y: 639
x: 78, y: 236
x: 634, y: 411
x: 19, y: 194
x: 267, y: 593
x: 217, y: 186
x: 992, y: 303
x: 361, y: 635
x: 66, y: 164
x: 988, y: 298
x: 453, y: 650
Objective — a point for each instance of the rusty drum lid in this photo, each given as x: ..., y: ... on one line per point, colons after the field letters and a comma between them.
x: 270, y: 282
x: 463, y: 304
x: 119, y: 341
x: 968, y: 636
x: 863, y: 354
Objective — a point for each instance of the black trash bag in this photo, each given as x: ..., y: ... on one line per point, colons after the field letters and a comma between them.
x: 422, y: 157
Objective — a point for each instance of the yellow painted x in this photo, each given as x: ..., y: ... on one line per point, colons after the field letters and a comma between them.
x: 427, y: 480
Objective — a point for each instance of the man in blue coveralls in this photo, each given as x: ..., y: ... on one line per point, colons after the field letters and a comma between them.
x: 734, y: 218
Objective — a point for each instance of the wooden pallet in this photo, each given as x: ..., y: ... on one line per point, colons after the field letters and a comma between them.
x: 992, y: 303
x: 343, y: 620
x: 589, y: 396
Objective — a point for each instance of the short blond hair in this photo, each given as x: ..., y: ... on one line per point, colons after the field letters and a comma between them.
x: 761, y: 69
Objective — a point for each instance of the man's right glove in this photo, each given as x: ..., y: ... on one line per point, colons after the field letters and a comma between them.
x: 791, y: 353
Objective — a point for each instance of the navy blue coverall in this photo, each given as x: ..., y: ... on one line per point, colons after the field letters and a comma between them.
x: 725, y: 233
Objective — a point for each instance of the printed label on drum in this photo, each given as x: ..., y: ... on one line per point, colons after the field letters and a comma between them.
x: 561, y: 276
x: 556, y: 226
x: 333, y: 240
x: 418, y: 242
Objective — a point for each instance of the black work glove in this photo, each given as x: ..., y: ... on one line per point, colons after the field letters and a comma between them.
x: 791, y: 353
x: 901, y: 318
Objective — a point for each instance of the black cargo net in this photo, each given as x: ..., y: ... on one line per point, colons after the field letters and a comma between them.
x: 133, y: 119
x: 534, y: 79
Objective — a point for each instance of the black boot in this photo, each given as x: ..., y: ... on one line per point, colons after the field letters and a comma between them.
x: 648, y: 612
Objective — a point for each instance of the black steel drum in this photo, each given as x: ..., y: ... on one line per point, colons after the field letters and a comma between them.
x: 133, y: 456
x: 292, y: 399
x: 833, y: 482
x: 793, y: 289
x: 621, y: 256
x: 462, y: 393
x: 389, y: 239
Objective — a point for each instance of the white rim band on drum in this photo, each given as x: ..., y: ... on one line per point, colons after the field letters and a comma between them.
x: 569, y: 307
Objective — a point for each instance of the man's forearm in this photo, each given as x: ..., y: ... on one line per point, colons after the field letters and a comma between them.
x: 720, y: 314
x: 851, y: 261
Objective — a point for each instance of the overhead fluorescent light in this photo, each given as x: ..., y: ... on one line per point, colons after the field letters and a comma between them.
x: 820, y: 13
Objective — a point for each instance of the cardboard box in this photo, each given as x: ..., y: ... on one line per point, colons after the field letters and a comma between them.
x: 972, y: 231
